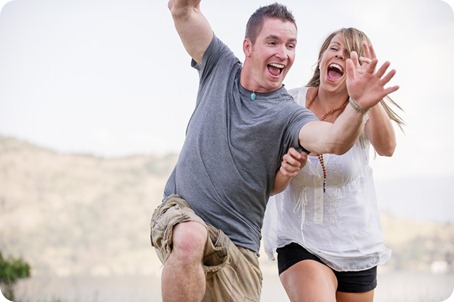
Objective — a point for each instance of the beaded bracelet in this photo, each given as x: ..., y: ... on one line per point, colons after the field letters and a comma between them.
x: 356, y: 107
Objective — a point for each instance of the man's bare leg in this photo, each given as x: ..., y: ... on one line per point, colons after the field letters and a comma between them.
x: 183, y: 278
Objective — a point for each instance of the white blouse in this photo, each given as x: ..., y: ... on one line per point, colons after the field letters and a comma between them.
x: 340, y: 226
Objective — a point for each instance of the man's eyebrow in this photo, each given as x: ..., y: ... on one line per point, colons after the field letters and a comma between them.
x: 274, y: 37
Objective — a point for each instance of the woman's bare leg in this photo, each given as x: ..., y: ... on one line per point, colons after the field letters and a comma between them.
x: 309, y: 281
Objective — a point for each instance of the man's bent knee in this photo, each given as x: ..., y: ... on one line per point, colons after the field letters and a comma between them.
x: 172, y: 212
x: 189, y: 239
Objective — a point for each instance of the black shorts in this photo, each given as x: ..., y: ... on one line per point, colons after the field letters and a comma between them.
x: 348, y: 282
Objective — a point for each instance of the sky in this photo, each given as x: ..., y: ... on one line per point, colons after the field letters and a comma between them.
x: 111, y: 77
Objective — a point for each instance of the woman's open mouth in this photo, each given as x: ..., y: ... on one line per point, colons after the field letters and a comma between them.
x: 335, y: 72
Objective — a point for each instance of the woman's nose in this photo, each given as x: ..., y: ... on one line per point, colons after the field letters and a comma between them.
x: 340, y: 56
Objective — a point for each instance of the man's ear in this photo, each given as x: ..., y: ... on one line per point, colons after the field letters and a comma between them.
x: 247, y: 47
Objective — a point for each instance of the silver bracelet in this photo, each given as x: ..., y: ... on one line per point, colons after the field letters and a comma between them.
x: 356, y: 107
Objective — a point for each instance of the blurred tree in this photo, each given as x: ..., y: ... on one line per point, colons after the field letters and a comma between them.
x: 11, y: 270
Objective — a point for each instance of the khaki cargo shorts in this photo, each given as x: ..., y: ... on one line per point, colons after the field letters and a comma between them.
x: 232, y: 273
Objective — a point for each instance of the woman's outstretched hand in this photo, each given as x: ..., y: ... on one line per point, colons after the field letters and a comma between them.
x: 364, y: 84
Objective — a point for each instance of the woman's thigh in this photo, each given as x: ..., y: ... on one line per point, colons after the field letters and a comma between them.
x: 309, y: 280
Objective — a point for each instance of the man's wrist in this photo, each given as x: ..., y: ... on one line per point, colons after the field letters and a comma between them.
x: 356, y: 106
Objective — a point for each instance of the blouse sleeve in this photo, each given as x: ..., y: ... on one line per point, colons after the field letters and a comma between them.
x: 299, y: 95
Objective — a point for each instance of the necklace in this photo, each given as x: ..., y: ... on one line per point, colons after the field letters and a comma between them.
x: 253, y: 96
x: 320, y: 156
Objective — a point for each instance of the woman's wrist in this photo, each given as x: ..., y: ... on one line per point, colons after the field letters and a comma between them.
x: 355, y: 106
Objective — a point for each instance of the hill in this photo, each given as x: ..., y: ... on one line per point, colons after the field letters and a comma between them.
x: 79, y: 214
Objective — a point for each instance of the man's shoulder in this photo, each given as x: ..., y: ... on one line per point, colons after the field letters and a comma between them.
x: 218, y: 55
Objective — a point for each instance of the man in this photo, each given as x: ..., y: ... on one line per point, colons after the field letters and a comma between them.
x: 207, y: 229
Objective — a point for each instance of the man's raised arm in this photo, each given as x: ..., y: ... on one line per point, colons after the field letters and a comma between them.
x: 192, y: 26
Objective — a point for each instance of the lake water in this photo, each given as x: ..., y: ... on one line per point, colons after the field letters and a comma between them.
x: 393, y: 287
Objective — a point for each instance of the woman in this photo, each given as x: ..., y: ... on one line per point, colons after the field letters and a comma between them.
x: 325, y: 226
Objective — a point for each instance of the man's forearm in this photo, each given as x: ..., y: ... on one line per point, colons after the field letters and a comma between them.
x: 336, y: 138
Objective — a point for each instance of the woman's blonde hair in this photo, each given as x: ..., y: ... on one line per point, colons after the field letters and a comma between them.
x: 353, y: 39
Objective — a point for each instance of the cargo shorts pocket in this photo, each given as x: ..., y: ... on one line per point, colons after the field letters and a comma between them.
x: 170, y: 212
x: 216, y: 251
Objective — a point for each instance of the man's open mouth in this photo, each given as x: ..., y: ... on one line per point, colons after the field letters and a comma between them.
x: 275, y: 69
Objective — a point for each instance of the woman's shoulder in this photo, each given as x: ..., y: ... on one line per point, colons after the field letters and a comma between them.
x: 299, y: 94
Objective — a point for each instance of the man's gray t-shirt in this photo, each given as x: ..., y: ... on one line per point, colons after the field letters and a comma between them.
x: 233, y: 148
